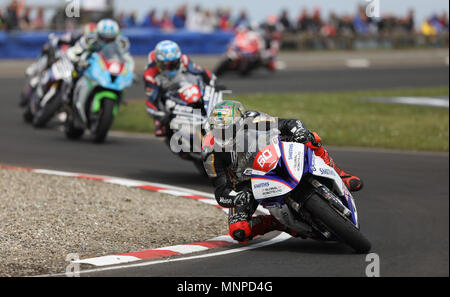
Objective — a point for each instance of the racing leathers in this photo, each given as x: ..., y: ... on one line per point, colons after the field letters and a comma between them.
x: 90, y: 43
x: 234, y: 192
x: 156, y: 84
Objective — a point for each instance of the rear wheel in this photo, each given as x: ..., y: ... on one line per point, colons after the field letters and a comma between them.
x: 337, y: 224
x: 100, y: 128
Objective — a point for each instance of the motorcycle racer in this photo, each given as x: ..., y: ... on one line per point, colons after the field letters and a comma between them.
x: 232, y: 189
x: 165, y: 63
x: 106, y: 31
x: 48, y: 56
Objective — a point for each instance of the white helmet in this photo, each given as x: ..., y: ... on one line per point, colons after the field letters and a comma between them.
x: 108, y: 30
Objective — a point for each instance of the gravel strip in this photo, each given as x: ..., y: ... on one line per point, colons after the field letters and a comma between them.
x: 43, y: 218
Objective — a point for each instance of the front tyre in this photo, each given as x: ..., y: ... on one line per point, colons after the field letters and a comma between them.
x: 44, y: 115
x: 27, y: 114
x: 337, y: 224
x: 71, y: 131
x: 100, y: 128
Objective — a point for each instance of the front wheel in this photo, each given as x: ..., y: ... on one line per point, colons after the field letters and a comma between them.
x: 337, y: 224
x: 44, y: 115
x: 28, y: 114
x: 101, y: 126
x: 71, y: 131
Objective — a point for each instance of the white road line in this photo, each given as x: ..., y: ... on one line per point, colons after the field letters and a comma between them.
x: 184, y: 248
x: 358, y: 63
x: 107, y: 260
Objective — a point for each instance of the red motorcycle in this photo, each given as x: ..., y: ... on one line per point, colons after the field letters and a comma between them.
x: 244, y: 54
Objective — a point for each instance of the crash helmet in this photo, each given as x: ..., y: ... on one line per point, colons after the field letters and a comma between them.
x: 168, y: 58
x: 107, y: 30
x: 225, y: 121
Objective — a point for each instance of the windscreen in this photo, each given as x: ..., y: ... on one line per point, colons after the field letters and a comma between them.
x: 112, y: 52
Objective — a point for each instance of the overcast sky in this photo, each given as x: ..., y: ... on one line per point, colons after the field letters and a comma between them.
x: 259, y: 9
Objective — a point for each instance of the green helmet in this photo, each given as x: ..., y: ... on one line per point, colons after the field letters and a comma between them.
x: 225, y: 120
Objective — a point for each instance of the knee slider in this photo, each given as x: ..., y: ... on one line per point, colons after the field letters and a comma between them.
x: 240, y: 231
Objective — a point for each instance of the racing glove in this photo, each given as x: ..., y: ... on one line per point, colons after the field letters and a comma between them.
x: 243, y: 198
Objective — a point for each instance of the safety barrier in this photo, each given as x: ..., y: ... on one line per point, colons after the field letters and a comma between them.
x: 29, y: 44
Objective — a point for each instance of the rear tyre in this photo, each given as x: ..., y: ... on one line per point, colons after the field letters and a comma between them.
x: 101, y: 128
x: 337, y: 224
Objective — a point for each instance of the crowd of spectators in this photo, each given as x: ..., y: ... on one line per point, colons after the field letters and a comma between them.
x: 360, y: 24
x: 195, y: 19
x: 16, y: 16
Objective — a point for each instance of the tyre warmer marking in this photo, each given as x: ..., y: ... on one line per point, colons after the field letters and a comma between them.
x: 217, y: 242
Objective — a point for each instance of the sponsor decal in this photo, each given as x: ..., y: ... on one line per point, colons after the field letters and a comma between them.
x: 261, y: 185
x: 325, y: 171
x: 291, y: 151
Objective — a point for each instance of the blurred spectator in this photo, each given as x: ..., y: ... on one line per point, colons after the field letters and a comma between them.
x: 209, y: 21
x: 224, y: 19
x: 408, y: 22
x: 304, y: 21
x: 427, y: 28
x: 12, y: 16
x: 38, y: 23
x: 2, y: 21
x: 130, y: 20
x: 24, y: 20
x: 166, y: 22
x: 242, y: 20
x: 150, y: 21
x: 444, y: 20
x: 285, y: 22
x: 179, y: 18
x: 195, y: 19
x: 361, y: 22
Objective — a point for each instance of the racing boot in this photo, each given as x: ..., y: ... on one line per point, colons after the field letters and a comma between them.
x: 352, y: 182
x: 271, y: 65
x: 160, y: 130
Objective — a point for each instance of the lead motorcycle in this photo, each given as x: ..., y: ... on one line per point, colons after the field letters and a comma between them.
x: 244, y: 54
x: 97, y: 94
x: 188, y: 104
x: 299, y: 189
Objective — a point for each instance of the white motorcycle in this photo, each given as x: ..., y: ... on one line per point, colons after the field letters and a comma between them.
x: 299, y: 189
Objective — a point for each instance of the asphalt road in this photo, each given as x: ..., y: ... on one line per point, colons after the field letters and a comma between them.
x: 327, y: 80
x: 403, y: 209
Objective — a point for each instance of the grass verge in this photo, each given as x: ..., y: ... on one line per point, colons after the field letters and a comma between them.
x: 341, y: 118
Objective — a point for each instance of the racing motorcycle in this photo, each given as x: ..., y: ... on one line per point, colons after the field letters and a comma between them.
x: 188, y: 104
x: 97, y: 94
x: 42, y: 97
x: 243, y: 55
x: 299, y: 189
